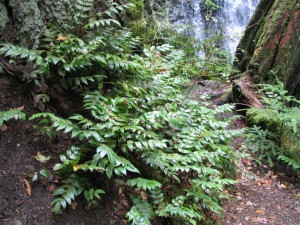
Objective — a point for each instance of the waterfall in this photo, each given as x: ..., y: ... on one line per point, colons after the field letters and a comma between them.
x: 230, y: 19
x: 235, y: 17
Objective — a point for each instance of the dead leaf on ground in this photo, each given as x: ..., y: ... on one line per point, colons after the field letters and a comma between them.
x: 41, y: 157
x: 250, y: 203
x: 120, y: 190
x: 28, y: 187
x: 144, y: 195
x: 73, y: 205
x: 260, y: 212
x: 283, y: 186
x: 21, y: 108
x: 3, y: 127
x: 260, y: 220
x: 62, y: 38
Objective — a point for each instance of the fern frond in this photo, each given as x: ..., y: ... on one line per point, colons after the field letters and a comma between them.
x: 143, y: 184
x: 141, y: 212
x: 11, y: 114
x: 290, y: 162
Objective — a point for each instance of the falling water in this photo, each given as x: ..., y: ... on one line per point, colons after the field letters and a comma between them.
x: 235, y: 17
x: 232, y: 18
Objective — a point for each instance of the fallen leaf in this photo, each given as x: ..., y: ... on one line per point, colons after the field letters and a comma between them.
x: 250, y: 203
x: 260, y: 212
x: 73, y: 205
x: 3, y: 127
x: 35, y: 176
x: 51, y: 188
x: 62, y: 38
x: 144, y: 195
x: 28, y: 187
x: 20, y: 108
x: 125, y: 202
x: 283, y: 186
x: 41, y: 157
x: 262, y: 220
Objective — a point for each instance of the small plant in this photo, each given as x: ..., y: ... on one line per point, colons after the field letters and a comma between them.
x: 261, y: 144
x: 11, y: 114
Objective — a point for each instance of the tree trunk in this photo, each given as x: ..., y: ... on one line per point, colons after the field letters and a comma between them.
x: 23, y: 22
x: 270, y: 44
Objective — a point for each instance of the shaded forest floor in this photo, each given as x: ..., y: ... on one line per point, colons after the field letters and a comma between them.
x: 261, y: 196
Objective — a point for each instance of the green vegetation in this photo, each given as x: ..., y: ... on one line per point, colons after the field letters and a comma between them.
x: 11, y: 114
x: 136, y: 123
x: 135, y: 120
x: 279, y: 137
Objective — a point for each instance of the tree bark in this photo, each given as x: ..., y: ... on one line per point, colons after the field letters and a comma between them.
x: 270, y: 44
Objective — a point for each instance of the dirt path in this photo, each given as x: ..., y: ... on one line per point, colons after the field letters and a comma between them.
x: 262, y: 196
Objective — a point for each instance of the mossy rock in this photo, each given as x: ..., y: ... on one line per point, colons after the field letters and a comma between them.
x: 272, y: 120
x: 265, y: 118
x: 135, y: 18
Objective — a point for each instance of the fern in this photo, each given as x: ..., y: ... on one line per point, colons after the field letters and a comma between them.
x: 140, y: 127
x: 290, y: 162
x: 144, y: 184
x: 282, y: 122
x: 178, y: 209
x: 11, y: 114
x: 141, y: 212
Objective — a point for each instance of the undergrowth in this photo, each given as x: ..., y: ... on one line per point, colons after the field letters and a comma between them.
x: 277, y: 136
x: 136, y: 124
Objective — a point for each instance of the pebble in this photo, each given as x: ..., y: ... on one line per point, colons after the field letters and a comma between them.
x: 18, y: 222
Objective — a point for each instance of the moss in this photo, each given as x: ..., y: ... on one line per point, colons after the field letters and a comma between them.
x: 269, y: 119
x: 266, y: 118
x: 135, y: 18
x: 3, y: 17
x: 28, y: 22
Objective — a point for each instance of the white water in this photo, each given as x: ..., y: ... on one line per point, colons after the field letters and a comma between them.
x: 235, y: 17
x: 232, y: 18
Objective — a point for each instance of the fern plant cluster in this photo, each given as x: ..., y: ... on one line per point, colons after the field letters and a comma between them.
x: 277, y: 135
x: 171, y: 151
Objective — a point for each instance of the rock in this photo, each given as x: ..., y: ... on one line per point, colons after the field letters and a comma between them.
x: 18, y: 222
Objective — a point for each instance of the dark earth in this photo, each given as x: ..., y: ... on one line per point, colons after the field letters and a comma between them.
x: 261, y: 196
